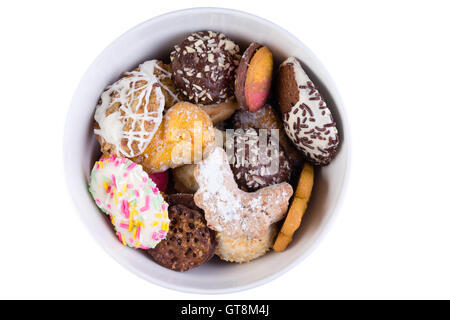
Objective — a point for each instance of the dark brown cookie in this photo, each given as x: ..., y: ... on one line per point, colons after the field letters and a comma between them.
x: 287, y: 89
x: 204, y: 67
x: 185, y: 199
x: 189, y: 242
x: 254, y: 165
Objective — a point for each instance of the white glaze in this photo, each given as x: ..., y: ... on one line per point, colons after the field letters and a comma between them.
x: 115, y: 184
x: 130, y: 91
x: 319, y: 132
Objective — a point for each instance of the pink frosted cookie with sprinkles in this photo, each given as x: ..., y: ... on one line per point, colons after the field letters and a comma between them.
x: 307, y: 119
x: 124, y: 191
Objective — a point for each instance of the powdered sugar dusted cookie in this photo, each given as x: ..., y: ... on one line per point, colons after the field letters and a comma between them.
x: 129, y: 112
x: 307, y: 119
x: 232, y: 211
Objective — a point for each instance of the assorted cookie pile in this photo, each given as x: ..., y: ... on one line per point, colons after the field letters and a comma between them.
x: 201, y: 157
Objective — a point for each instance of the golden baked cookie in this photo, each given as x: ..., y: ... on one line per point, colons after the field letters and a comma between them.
x: 184, y: 134
x: 244, y: 249
x: 297, y: 209
x: 221, y: 111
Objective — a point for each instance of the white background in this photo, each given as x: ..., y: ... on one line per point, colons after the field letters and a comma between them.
x: 391, y: 63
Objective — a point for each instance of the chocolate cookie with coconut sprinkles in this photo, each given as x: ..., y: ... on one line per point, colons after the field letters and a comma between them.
x: 307, y: 119
x: 204, y: 67
x: 255, y: 166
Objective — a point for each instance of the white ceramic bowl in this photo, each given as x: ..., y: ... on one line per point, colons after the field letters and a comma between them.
x: 154, y: 39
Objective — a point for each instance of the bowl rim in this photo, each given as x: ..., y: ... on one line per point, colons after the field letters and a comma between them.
x: 334, y: 211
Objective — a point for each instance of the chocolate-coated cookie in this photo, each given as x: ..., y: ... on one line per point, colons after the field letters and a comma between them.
x: 307, y: 120
x: 204, y: 67
x: 267, y: 118
x: 189, y: 242
x: 254, y: 165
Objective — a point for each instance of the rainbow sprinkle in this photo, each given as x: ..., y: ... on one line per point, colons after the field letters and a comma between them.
x: 134, y: 204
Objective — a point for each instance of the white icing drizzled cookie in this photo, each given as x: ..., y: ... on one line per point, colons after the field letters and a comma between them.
x: 130, y: 111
